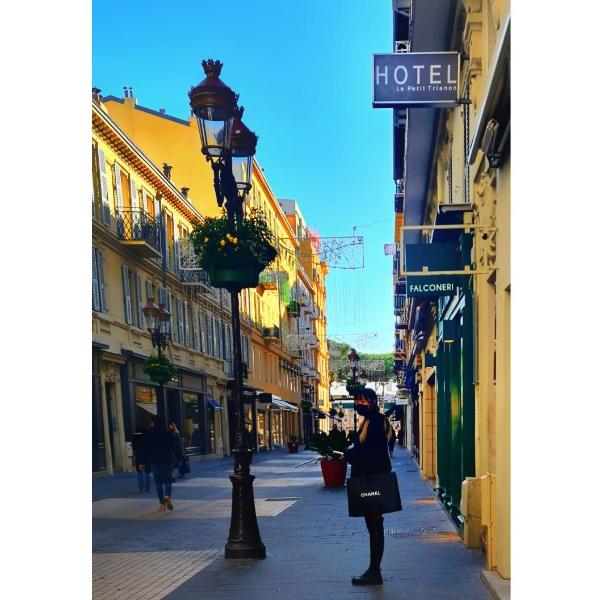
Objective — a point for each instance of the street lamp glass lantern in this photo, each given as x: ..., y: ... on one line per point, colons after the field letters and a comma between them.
x: 213, y: 104
x: 151, y: 314
x: 243, y: 148
x: 164, y: 317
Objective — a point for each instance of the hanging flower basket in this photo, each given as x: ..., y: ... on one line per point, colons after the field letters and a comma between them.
x: 160, y: 369
x: 332, y: 412
x: 234, y: 254
x: 353, y: 387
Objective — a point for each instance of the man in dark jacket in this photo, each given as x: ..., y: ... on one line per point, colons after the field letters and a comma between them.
x: 162, y: 451
x: 369, y: 456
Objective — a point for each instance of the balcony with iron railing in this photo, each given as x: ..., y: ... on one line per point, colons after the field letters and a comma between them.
x: 270, y: 333
x: 139, y: 231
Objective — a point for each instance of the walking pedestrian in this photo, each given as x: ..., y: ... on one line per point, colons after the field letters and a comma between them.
x: 369, y: 456
x: 399, y: 434
x: 141, y: 465
x: 392, y: 441
x: 181, y: 464
x: 161, y: 448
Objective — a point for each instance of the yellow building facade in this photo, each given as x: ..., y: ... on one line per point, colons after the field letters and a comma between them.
x: 201, y: 330
x: 468, y: 185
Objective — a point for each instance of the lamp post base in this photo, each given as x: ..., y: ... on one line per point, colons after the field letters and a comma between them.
x: 244, y: 538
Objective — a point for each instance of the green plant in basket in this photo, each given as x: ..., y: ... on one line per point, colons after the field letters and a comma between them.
x: 353, y: 387
x: 229, y: 248
x: 160, y: 368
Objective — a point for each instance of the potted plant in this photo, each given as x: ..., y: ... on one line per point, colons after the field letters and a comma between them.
x: 333, y: 466
x: 293, y: 444
x: 293, y: 308
x: 234, y: 252
x: 159, y: 368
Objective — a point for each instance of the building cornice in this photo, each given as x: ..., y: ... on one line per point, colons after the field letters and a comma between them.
x: 114, y: 136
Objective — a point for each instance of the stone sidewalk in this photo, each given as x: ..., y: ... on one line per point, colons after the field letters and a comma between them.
x: 313, y: 547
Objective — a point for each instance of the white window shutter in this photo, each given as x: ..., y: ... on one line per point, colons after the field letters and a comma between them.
x: 95, y: 283
x: 169, y: 307
x: 126, y: 295
x: 135, y: 203
x: 194, y: 329
x: 176, y: 248
x: 186, y: 324
x: 139, y: 301
x: 150, y: 290
x: 202, y: 324
x: 180, y: 329
x: 103, y: 187
x: 118, y: 188
x: 101, y: 281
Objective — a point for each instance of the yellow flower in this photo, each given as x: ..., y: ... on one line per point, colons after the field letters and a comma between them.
x: 234, y: 240
x: 222, y: 242
x: 205, y: 239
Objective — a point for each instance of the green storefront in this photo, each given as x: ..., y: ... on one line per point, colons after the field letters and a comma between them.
x: 455, y: 394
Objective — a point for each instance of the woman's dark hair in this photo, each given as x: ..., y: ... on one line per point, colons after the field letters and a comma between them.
x: 158, y: 421
x: 368, y: 394
x: 141, y: 429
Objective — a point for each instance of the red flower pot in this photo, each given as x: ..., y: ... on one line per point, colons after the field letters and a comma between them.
x: 293, y: 447
x: 334, y: 472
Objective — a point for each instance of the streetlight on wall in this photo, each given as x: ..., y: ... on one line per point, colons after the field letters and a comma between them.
x: 157, y: 321
x: 229, y: 146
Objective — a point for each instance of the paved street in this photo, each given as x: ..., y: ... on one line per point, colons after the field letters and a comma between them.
x: 313, y: 548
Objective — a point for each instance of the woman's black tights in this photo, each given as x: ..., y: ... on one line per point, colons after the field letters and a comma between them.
x: 375, y: 526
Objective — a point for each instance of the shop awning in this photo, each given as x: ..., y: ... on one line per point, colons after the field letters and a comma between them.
x: 214, y: 404
x: 148, y: 407
x: 282, y: 404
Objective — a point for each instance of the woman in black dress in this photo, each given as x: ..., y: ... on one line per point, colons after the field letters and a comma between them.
x: 368, y: 456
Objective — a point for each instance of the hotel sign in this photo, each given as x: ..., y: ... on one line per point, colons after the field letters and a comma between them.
x: 415, y: 79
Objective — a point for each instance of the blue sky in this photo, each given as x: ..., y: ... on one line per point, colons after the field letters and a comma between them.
x: 303, y: 72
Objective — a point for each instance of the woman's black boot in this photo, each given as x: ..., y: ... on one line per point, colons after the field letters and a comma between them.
x: 372, y: 576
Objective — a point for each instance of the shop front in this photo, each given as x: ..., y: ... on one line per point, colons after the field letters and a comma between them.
x: 185, y: 401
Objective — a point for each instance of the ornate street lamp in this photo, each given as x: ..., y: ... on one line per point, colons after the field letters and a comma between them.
x: 229, y: 146
x: 157, y: 322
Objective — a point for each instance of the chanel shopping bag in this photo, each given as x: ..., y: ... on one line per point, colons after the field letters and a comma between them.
x: 373, y: 494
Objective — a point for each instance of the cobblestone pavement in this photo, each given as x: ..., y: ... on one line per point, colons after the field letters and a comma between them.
x: 313, y: 548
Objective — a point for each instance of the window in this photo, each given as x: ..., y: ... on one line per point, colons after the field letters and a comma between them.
x: 148, y: 203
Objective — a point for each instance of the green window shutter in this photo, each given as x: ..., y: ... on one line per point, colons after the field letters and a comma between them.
x: 118, y: 188
x: 126, y: 295
x: 139, y: 302
x: 103, y: 187
x: 101, y: 280
x: 95, y: 282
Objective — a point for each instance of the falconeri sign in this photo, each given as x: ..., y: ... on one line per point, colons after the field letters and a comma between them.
x: 415, y: 79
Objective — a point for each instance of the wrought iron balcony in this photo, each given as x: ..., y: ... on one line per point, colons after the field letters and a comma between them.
x: 139, y: 231
x: 195, y: 277
x: 268, y: 280
x: 270, y: 333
